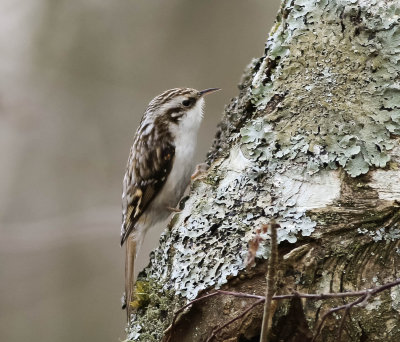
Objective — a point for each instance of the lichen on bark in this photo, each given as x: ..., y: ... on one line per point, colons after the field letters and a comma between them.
x: 308, y: 141
x: 336, y: 66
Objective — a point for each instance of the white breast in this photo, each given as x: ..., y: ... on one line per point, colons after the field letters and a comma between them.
x: 185, y: 134
x: 179, y: 177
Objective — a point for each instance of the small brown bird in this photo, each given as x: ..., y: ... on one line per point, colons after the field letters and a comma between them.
x: 159, y: 167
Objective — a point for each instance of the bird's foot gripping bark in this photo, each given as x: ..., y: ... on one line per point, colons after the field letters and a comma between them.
x: 199, y: 171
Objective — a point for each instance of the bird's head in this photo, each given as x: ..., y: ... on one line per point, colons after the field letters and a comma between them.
x: 179, y: 108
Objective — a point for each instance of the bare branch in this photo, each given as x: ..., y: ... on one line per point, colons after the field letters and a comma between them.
x: 170, y: 328
x: 217, y: 292
x: 251, y: 307
x: 331, y: 311
x: 363, y: 299
x: 346, y: 312
x: 372, y: 291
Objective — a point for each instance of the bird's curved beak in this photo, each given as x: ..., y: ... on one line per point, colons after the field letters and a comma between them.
x: 208, y: 91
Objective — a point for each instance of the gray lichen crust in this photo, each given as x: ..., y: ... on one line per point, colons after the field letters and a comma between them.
x: 325, y: 95
x: 336, y: 64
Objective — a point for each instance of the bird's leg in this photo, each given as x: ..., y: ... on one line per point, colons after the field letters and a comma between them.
x: 199, y: 171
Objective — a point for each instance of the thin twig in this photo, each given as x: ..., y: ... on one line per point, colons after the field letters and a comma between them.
x: 318, y: 296
x: 271, y: 283
x: 373, y: 291
x: 362, y: 301
x: 331, y: 311
x: 240, y: 294
x: 364, y: 295
x: 346, y: 312
x: 217, y: 292
x: 169, y: 329
x: 251, y: 307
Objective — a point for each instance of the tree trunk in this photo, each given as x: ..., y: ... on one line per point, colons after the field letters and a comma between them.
x: 312, y: 141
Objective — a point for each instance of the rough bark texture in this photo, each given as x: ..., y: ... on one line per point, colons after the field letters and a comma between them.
x: 312, y: 141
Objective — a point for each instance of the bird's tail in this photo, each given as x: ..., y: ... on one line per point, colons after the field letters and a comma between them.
x: 129, y: 272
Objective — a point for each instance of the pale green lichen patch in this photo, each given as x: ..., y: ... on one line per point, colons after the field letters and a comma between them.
x: 337, y: 64
x: 382, y: 234
x: 395, y: 296
x: 209, y: 240
x: 213, y: 214
x: 374, y: 304
x: 208, y: 243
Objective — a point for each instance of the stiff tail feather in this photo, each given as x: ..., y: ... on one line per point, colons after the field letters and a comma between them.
x: 129, y: 273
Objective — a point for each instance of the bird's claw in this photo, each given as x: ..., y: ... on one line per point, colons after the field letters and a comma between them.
x: 199, y: 171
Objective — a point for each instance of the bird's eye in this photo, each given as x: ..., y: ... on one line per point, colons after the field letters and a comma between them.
x: 186, y: 103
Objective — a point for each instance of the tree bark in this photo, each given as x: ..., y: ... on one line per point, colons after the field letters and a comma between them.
x: 311, y: 141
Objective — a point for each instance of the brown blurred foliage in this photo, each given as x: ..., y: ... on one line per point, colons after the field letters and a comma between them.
x: 75, y: 78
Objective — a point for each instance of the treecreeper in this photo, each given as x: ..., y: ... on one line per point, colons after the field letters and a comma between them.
x: 159, y: 168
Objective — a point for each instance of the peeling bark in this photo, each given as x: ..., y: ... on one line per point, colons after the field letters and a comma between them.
x: 311, y: 141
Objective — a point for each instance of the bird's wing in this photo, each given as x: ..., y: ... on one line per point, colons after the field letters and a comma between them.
x: 147, y: 171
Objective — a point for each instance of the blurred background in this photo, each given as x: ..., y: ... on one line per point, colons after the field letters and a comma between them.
x: 75, y: 78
